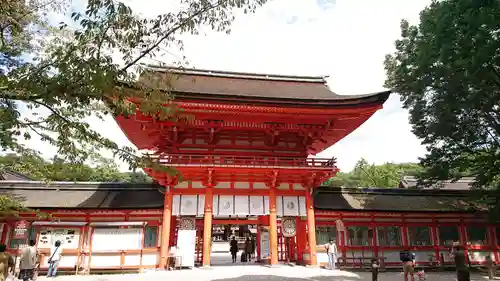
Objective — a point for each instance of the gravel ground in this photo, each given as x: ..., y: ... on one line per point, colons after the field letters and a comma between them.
x: 256, y: 273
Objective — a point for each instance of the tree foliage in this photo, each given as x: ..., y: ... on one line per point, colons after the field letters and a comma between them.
x: 87, y: 71
x: 37, y: 168
x: 447, y: 71
x: 371, y: 175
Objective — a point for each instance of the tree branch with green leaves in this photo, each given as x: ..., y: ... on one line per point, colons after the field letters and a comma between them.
x: 81, y: 72
x: 445, y: 69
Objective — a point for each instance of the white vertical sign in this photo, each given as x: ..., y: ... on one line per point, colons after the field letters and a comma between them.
x: 186, y: 242
x: 265, y: 246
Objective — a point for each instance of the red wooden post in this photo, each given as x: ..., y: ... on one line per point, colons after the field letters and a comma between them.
x: 435, y: 241
x: 493, y: 242
x: 463, y: 237
x: 404, y: 230
x: 257, y: 238
x: 207, y: 228
x: 165, y: 236
x: 374, y: 236
x: 311, y: 228
x: 273, y: 227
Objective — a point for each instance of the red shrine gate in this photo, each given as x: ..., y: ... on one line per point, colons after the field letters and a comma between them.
x: 246, y: 153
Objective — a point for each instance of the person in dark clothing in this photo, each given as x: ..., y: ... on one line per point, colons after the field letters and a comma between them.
x: 233, y: 248
x: 407, y: 257
x: 253, y: 247
x: 461, y: 264
x: 375, y: 269
x: 248, y: 249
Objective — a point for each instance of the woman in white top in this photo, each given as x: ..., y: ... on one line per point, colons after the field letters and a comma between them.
x: 331, y: 251
x: 54, y: 258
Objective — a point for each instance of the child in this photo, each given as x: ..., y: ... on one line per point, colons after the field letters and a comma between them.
x: 421, y: 275
x: 375, y: 268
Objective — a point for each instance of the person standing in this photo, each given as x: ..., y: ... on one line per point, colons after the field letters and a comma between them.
x: 407, y: 257
x: 375, y: 269
x: 461, y: 263
x: 233, y: 248
x: 248, y: 249
x: 28, y: 262
x: 6, y: 263
x: 55, y: 257
x: 254, y: 246
x: 331, y: 251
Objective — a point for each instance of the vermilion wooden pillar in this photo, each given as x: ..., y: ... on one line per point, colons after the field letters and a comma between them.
x: 273, y: 227
x: 165, y: 228
x: 463, y: 237
x: 311, y: 228
x: 493, y: 242
x: 207, y: 227
x: 301, y: 239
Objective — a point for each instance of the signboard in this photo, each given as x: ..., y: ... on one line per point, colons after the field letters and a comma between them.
x: 288, y: 227
x: 186, y: 244
x: 21, y: 230
x: 113, y: 239
x: 265, y: 247
x: 68, y: 237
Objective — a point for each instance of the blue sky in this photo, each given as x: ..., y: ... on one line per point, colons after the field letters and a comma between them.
x: 344, y: 39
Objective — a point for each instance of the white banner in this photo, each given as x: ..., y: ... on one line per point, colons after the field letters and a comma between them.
x: 189, y: 205
x: 201, y: 205
x: 241, y: 205
x: 176, y: 205
x: 302, y: 206
x: 257, y: 205
x: 290, y: 206
x: 226, y: 205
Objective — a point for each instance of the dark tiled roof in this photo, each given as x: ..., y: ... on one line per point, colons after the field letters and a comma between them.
x: 83, y: 195
x: 461, y: 184
x: 394, y: 200
x: 8, y: 175
x: 192, y: 83
x: 80, y: 195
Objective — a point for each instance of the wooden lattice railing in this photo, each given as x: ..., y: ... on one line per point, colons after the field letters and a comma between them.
x: 256, y: 161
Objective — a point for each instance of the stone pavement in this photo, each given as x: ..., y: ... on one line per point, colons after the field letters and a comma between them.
x: 256, y: 273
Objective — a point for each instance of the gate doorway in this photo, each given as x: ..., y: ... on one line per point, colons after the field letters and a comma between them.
x: 244, y: 232
x: 224, y: 229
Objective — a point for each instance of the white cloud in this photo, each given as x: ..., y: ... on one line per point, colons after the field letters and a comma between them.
x: 345, y: 39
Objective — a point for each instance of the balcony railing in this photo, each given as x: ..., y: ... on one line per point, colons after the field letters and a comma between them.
x: 247, y: 161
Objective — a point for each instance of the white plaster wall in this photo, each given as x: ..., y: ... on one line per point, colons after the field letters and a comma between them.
x: 242, y: 185
x: 105, y: 261
x: 197, y: 184
x: 132, y: 260
x: 66, y: 260
x: 184, y: 184
x: 223, y: 185
x: 259, y: 185
x: 150, y: 259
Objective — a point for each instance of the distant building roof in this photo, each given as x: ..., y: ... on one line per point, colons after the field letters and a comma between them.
x: 461, y: 184
x: 210, y: 84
